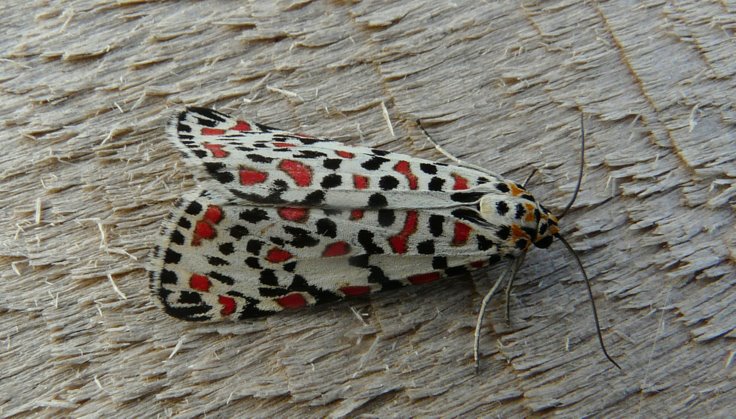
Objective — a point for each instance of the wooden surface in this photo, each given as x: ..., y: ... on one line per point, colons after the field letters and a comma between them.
x: 87, y: 176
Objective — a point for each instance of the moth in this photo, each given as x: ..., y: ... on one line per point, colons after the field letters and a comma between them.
x: 283, y: 220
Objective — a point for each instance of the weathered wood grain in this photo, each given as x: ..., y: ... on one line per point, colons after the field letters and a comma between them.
x: 86, y: 177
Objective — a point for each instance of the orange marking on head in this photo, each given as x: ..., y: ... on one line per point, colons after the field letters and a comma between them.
x: 553, y: 229
x: 552, y: 221
x: 529, y: 212
x: 515, y: 190
x: 518, y: 233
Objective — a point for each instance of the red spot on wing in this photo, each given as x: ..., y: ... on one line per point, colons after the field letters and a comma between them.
x: 213, y: 214
x: 216, y: 150
x: 300, y: 172
x: 199, y: 283
x: 336, y: 249
x: 355, y: 290
x: 404, y: 168
x: 251, y: 177
x: 293, y: 300
x: 399, y: 242
x: 424, y: 278
x: 241, y: 126
x: 356, y: 214
x: 228, y: 305
x: 204, y: 230
x: 360, y: 182
x: 278, y: 255
x: 461, y: 234
x: 212, y: 131
x: 478, y: 264
x: 345, y: 154
x: 205, y: 227
x: 283, y: 145
x: 299, y: 215
x: 461, y: 183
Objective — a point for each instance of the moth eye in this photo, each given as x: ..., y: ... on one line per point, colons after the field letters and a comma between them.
x: 544, y: 242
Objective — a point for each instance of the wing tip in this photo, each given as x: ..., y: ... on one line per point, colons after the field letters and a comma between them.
x: 164, y: 282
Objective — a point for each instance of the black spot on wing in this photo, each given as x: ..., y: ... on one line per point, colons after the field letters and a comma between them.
x: 359, y: 261
x: 332, y: 164
x: 436, y: 223
x: 172, y: 257
x: 388, y: 183
x: 439, y: 262
x: 374, y: 163
x: 258, y: 158
x: 177, y: 238
x: 484, y: 243
x: 386, y: 217
x: 326, y: 227
x: 320, y: 295
x: 226, y: 248
x: 219, y: 172
x: 300, y: 237
x: 212, y: 115
x: 428, y: 168
x: 253, y: 263
x: 467, y: 197
x: 184, y: 223
x: 426, y: 247
x: 377, y: 200
x: 309, y: 154
x: 332, y: 180
x: 365, y: 238
x: 313, y: 199
x: 469, y: 215
x: 436, y: 184
x: 254, y: 215
x: 193, y: 208
x: 254, y: 246
x: 268, y: 277
x: 168, y: 277
x: 238, y: 232
x: 377, y: 276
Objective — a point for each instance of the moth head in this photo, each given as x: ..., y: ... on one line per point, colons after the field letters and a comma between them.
x: 523, y: 220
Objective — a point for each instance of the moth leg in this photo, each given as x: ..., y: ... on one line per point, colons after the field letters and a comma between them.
x: 511, y: 271
x: 508, y: 297
x: 511, y: 282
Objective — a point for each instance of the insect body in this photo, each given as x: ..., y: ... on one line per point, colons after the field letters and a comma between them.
x: 285, y: 220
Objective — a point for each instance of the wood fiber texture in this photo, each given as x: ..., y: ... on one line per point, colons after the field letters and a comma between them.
x: 86, y: 177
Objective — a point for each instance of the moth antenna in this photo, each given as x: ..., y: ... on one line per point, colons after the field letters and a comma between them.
x: 513, y: 267
x: 592, y: 302
x: 580, y: 172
